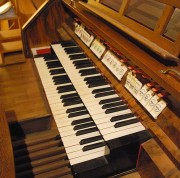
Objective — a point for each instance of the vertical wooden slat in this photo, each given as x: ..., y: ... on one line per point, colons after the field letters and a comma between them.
x: 1, y: 58
x: 124, y: 6
x: 177, y: 44
x: 164, y: 19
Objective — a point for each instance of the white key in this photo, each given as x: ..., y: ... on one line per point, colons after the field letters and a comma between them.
x: 79, y: 147
x: 104, y: 151
x: 74, y: 140
x: 69, y: 132
x: 126, y: 129
x: 122, y: 133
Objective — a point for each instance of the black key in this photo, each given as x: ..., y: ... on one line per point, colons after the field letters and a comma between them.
x: 54, y: 66
x: 80, y: 121
x: 83, y: 126
x: 50, y: 57
x: 96, y: 81
x: 89, y: 140
x: 61, y: 77
x: 70, y: 99
x: 57, y: 71
x: 124, y: 123
x: 54, y: 63
x: 116, y: 109
x: 93, y: 146
x: 76, y: 98
x: 80, y: 108
x: 104, y: 101
x: 67, y: 88
x: 77, y: 56
x: 69, y: 95
x: 73, y: 50
x: 80, y: 62
x: 100, y: 90
x: 58, y: 81
x: 86, y: 131
x: 104, y: 94
x: 67, y: 43
x: 121, y: 117
x: 80, y: 113
x: 96, y: 84
x: 84, y: 61
x: 84, y: 66
x: 74, y: 57
x: 72, y: 103
x: 89, y: 79
x: 111, y: 105
x: 85, y: 72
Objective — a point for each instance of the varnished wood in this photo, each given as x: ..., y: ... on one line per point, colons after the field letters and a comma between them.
x: 132, y: 175
x: 32, y: 139
x: 56, y: 173
x: 157, y: 159
x: 38, y: 147
x: 162, y: 46
x: 162, y: 134
x: 41, y: 29
x: 160, y: 156
x: 37, y: 3
x: 175, y: 3
x: 43, y: 161
x: 131, y: 51
x: 21, y: 92
x: 164, y: 20
x: 7, y: 158
x: 25, y: 9
x: 39, y: 154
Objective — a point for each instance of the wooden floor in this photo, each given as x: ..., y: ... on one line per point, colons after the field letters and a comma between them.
x: 20, y: 91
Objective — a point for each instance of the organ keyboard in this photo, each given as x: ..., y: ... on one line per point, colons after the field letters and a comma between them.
x: 94, y: 122
x: 119, y: 97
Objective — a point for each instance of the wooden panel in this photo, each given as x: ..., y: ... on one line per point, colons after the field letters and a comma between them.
x: 153, y: 157
x: 41, y: 29
x: 7, y: 159
x: 11, y: 46
x: 10, y: 34
x: 21, y: 92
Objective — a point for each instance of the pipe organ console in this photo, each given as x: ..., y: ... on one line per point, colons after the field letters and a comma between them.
x: 98, y: 129
x: 112, y: 84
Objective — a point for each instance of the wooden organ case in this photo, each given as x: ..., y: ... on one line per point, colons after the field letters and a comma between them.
x: 140, y: 61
